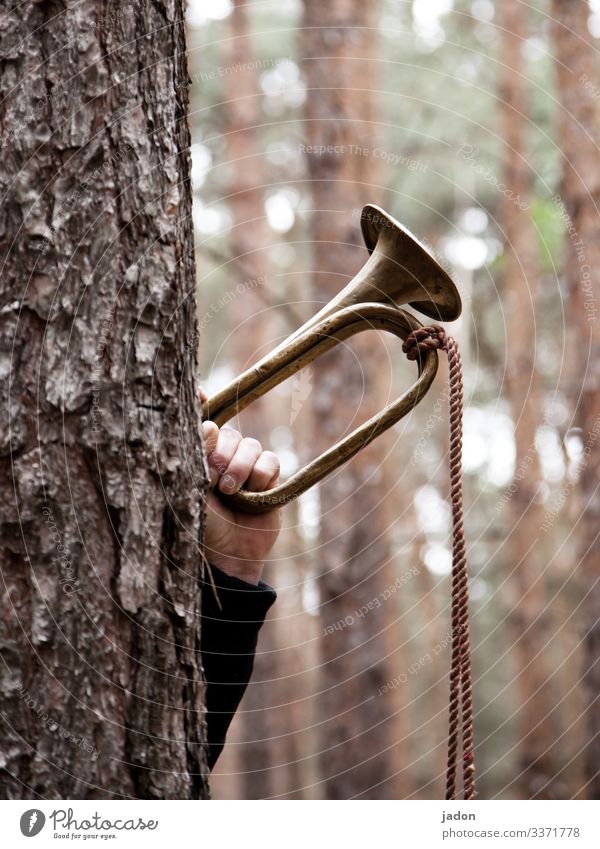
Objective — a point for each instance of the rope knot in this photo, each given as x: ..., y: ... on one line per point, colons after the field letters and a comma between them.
x: 425, y: 339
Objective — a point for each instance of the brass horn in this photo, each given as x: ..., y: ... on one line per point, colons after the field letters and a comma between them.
x: 400, y: 270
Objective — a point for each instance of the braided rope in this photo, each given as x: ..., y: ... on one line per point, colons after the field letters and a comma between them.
x: 460, y: 698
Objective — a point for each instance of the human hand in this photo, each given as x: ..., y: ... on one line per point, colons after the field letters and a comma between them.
x: 238, y: 543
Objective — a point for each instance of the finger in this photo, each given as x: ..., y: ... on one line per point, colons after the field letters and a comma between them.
x: 265, y: 472
x: 210, y: 436
x: 240, y: 466
x: 223, y: 453
x: 203, y: 395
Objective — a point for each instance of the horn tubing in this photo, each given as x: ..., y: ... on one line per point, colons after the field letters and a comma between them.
x: 287, y: 360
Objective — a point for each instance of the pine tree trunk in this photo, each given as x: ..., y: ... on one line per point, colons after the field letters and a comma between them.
x: 579, y: 85
x: 357, y: 728
x: 536, y: 769
x: 249, y: 238
x: 102, y: 479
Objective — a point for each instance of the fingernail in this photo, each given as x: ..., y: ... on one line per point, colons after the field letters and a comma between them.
x: 227, y: 483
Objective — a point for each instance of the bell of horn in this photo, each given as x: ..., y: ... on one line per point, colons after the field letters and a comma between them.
x: 402, y: 268
x: 399, y: 271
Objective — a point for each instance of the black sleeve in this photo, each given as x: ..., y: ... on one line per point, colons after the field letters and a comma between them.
x: 228, y: 645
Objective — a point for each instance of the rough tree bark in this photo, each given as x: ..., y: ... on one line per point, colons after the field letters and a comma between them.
x: 578, y: 86
x: 357, y: 729
x: 101, y: 475
x: 529, y: 619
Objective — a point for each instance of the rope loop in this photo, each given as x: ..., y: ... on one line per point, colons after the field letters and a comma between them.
x: 425, y: 339
x: 461, y: 698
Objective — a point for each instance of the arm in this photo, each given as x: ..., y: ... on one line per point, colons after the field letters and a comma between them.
x: 229, y: 636
x: 236, y: 547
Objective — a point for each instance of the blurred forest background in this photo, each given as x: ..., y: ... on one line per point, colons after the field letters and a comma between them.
x: 475, y: 124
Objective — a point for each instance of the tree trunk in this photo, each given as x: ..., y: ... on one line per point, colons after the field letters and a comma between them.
x: 535, y: 726
x: 357, y: 728
x: 249, y: 239
x: 102, y: 479
x: 578, y: 86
